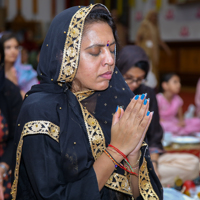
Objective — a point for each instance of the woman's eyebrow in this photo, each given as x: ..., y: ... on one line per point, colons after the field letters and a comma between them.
x: 99, y: 45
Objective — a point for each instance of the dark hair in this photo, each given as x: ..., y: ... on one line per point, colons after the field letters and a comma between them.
x: 1, y: 53
x: 166, y: 78
x: 100, y: 14
x: 143, y: 65
x: 7, y: 36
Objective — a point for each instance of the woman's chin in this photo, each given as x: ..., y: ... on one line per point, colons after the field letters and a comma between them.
x: 133, y: 88
x: 102, y: 87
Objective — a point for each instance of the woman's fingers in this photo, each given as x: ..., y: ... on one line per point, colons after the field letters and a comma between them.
x: 139, y: 111
x: 129, y: 108
x: 144, y: 125
x: 122, y: 112
x: 116, y: 116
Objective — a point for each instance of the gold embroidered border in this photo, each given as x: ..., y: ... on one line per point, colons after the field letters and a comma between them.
x: 95, y: 133
x: 72, y: 45
x: 42, y: 127
x: 146, y: 189
x: 31, y: 128
x: 119, y: 183
x: 97, y: 142
x: 144, y: 144
x: 83, y: 94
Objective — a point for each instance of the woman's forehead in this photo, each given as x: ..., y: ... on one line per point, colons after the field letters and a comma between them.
x: 99, y: 32
x: 11, y: 41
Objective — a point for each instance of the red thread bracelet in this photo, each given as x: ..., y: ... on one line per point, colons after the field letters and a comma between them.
x: 118, y: 164
x: 116, y: 149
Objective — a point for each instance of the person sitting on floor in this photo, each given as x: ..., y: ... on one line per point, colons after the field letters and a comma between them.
x: 133, y: 63
x: 170, y: 108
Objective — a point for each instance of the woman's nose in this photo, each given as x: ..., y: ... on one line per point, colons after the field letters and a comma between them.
x: 109, y: 58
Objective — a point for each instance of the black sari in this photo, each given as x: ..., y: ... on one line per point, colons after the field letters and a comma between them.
x: 60, y: 134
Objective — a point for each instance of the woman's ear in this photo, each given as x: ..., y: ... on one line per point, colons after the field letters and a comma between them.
x: 164, y: 86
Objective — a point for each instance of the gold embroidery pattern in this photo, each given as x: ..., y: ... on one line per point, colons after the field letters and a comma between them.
x: 95, y: 134
x: 31, y: 128
x: 83, y: 94
x: 144, y: 144
x: 16, y: 172
x: 146, y: 189
x: 42, y: 127
x: 97, y: 142
x: 72, y: 45
x: 119, y: 183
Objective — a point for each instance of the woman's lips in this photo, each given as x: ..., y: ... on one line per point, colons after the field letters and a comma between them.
x: 107, y: 75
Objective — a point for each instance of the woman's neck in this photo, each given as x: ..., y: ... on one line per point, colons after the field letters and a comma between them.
x: 168, y: 95
x: 76, y: 86
x: 8, y: 66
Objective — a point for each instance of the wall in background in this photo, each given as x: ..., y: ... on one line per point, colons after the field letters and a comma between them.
x: 177, y: 22
x: 44, y: 9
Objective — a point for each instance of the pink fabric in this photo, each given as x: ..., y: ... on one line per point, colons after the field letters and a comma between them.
x: 197, y: 99
x: 168, y: 116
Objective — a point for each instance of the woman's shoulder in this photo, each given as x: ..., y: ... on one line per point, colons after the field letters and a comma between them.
x: 41, y: 106
x: 159, y: 95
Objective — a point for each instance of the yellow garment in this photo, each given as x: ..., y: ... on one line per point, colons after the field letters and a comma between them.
x: 148, y: 38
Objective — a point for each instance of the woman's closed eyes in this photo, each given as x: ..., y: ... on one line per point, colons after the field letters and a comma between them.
x: 97, y: 49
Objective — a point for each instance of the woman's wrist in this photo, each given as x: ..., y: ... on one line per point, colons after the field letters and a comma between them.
x: 133, y: 158
x: 115, y: 155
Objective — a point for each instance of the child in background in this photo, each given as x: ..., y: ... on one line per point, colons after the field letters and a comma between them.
x: 197, y: 99
x: 170, y: 108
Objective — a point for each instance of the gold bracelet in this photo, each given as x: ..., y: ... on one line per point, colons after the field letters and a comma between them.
x: 138, y: 159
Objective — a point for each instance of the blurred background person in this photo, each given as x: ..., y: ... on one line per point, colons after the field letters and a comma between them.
x: 170, y: 108
x: 133, y: 63
x: 197, y: 99
x: 122, y: 31
x: 148, y: 37
x: 24, y: 56
x: 10, y: 104
x: 20, y: 74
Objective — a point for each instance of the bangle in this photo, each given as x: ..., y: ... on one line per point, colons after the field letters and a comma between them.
x: 118, y: 164
x: 133, y: 167
x: 114, y: 161
x: 5, y: 169
x: 136, y: 167
x: 138, y: 159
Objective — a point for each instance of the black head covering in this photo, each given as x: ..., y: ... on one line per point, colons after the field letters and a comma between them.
x: 129, y: 56
x: 83, y: 118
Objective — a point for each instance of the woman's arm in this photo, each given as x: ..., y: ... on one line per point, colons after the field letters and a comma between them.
x: 135, y: 179
x: 104, y: 167
x: 127, y: 134
x: 180, y: 117
x: 49, y: 178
